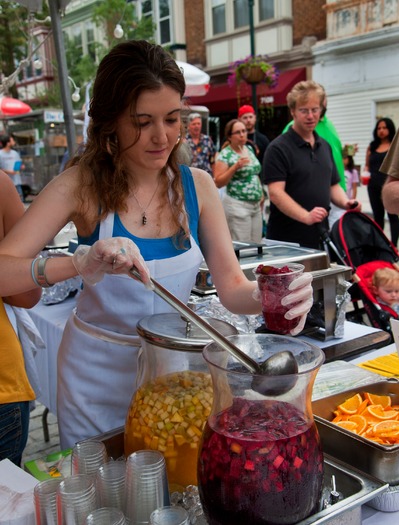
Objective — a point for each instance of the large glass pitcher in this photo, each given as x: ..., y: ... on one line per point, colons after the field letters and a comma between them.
x: 174, y: 394
x: 260, y: 459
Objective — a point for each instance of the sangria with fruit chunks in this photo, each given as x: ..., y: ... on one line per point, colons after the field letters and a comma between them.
x: 260, y: 463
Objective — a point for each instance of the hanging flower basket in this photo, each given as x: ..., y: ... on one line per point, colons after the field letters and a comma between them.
x: 253, y: 70
x: 253, y: 74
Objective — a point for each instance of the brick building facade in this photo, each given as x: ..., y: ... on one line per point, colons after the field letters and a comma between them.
x: 195, y: 32
x: 308, y: 19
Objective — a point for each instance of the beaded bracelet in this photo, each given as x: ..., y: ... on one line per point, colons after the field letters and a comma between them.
x: 41, y: 273
x: 32, y: 271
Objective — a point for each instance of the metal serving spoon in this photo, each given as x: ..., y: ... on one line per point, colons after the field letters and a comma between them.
x: 279, y: 364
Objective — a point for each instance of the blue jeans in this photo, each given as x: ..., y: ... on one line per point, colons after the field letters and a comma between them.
x: 14, y: 428
x: 18, y: 187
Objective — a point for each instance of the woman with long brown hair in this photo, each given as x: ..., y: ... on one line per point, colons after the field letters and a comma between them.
x: 132, y: 205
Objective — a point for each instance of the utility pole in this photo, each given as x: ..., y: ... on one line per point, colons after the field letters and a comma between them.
x: 62, y: 68
x: 252, y: 43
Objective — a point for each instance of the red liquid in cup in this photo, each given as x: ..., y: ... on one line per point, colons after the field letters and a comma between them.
x: 260, y: 464
x: 276, y: 322
x: 272, y: 290
x: 365, y: 179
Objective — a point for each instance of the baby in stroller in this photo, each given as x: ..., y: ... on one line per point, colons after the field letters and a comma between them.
x: 385, y: 287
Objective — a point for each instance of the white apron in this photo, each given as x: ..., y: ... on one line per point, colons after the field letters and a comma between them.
x: 97, y: 358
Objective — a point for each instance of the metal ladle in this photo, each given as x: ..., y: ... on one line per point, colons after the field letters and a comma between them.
x: 279, y: 364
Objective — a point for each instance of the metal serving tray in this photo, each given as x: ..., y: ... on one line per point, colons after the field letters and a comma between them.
x: 356, y: 487
x: 251, y: 255
x: 378, y: 460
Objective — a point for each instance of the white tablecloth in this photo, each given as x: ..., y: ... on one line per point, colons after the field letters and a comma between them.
x: 50, y: 321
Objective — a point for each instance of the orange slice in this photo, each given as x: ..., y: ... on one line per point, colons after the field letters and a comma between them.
x: 385, y: 427
x: 348, y: 425
x: 362, y: 406
x: 361, y: 423
x: 379, y: 412
x: 351, y: 405
x: 375, y: 399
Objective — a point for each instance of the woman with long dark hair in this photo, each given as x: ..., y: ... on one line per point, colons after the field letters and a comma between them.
x: 133, y: 204
x: 383, y: 134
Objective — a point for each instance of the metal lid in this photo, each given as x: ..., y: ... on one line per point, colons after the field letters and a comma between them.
x: 172, y: 331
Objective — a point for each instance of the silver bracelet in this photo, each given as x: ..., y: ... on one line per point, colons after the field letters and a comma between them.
x: 41, y: 273
x: 32, y: 271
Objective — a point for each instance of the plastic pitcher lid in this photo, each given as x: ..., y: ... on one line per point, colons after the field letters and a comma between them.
x: 175, y: 332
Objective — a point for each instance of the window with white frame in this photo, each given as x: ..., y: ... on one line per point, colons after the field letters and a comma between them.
x: 266, y: 9
x: 164, y: 22
x: 241, y: 13
x: 161, y: 14
x: 218, y: 16
x: 76, y: 35
x: 90, y: 39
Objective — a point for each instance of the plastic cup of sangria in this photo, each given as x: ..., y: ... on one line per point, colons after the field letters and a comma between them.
x: 273, y: 283
x: 365, y: 177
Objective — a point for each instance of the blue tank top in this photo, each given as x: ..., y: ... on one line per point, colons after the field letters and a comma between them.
x: 159, y: 248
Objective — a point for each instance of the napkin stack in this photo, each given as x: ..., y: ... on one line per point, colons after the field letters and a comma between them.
x: 16, y: 495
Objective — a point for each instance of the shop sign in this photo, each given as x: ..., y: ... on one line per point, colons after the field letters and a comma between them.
x: 53, y: 116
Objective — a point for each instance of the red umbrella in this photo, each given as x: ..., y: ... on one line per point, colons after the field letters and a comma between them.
x: 9, y: 107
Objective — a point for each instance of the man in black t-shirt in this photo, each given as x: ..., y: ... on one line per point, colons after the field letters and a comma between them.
x: 301, y: 174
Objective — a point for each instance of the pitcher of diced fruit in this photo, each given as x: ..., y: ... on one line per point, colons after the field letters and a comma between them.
x: 174, y: 394
x: 260, y: 459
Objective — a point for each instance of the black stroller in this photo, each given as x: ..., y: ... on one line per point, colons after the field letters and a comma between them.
x: 357, y: 241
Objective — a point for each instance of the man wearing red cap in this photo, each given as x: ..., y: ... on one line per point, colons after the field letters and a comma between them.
x: 247, y: 116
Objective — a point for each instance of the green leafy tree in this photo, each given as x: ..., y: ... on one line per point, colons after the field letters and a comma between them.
x: 109, y: 13
x: 13, y: 38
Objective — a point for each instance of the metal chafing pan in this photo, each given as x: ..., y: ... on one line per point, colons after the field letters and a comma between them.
x: 380, y: 461
x: 356, y: 487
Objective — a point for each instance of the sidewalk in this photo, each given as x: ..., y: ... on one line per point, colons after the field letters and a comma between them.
x: 37, y: 447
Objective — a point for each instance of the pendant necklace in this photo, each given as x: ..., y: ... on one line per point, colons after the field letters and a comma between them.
x: 143, y: 210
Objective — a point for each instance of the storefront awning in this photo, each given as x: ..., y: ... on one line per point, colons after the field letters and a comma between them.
x: 221, y: 98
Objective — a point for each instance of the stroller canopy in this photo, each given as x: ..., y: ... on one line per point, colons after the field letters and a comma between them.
x: 361, y: 240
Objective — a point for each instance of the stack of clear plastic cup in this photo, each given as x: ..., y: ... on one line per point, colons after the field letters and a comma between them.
x: 88, y: 457
x: 169, y: 516
x: 106, y: 516
x: 146, y: 485
x: 110, y: 484
x: 44, y: 495
x: 76, y: 499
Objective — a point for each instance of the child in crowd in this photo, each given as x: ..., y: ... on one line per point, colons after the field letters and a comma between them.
x: 385, y: 286
x: 351, y: 173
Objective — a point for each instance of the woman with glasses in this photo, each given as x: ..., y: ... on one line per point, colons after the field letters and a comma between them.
x: 238, y: 169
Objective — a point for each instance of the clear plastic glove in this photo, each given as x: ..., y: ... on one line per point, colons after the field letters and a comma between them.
x: 301, y: 297
x: 116, y: 255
